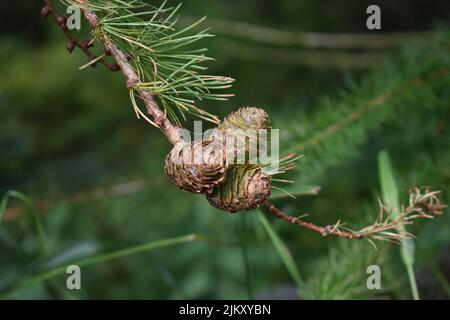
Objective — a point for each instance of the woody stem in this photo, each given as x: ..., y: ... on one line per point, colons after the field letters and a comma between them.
x: 160, y: 119
x: 330, y: 230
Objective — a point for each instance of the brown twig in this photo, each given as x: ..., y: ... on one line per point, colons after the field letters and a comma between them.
x: 159, y: 117
x: 73, y: 43
x: 422, y: 204
x: 324, y: 231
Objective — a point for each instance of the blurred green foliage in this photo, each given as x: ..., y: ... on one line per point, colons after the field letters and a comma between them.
x: 65, y: 132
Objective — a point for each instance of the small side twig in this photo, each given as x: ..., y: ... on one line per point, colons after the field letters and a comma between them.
x: 160, y: 119
x: 72, y: 43
x: 422, y: 204
x: 324, y: 231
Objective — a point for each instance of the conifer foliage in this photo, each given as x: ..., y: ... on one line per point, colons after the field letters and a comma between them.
x: 168, y: 61
x: 163, y: 68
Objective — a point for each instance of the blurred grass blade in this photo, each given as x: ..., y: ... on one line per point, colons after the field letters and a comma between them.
x: 282, y: 250
x: 108, y: 257
x: 79, y: 251
x: 296, y: 191
x: 441, y: 278
x: 391, y: 199
x: 389, y: 186
x: 241, y: 230
x: 35, y: 215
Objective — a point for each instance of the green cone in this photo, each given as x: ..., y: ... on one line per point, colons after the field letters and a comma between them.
x: 245, y: 188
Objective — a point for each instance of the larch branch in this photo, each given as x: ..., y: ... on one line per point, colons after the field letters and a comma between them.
x: 423, y: 203
x: 324, y: 231
x: 160, y: 119
x: 73, y: 43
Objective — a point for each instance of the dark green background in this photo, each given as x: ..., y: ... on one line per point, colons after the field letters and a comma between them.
x: 65, y: 131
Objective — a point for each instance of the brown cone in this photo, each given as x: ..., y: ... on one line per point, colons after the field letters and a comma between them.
x: 242, y: 130
x: 246, y: 118
x: 196, y: 167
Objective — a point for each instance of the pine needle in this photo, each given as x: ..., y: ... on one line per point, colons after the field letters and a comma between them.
x: 163, y: 54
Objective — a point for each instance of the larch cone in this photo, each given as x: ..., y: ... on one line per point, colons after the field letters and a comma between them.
x: 245, y: 188
x: 197, y: 167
